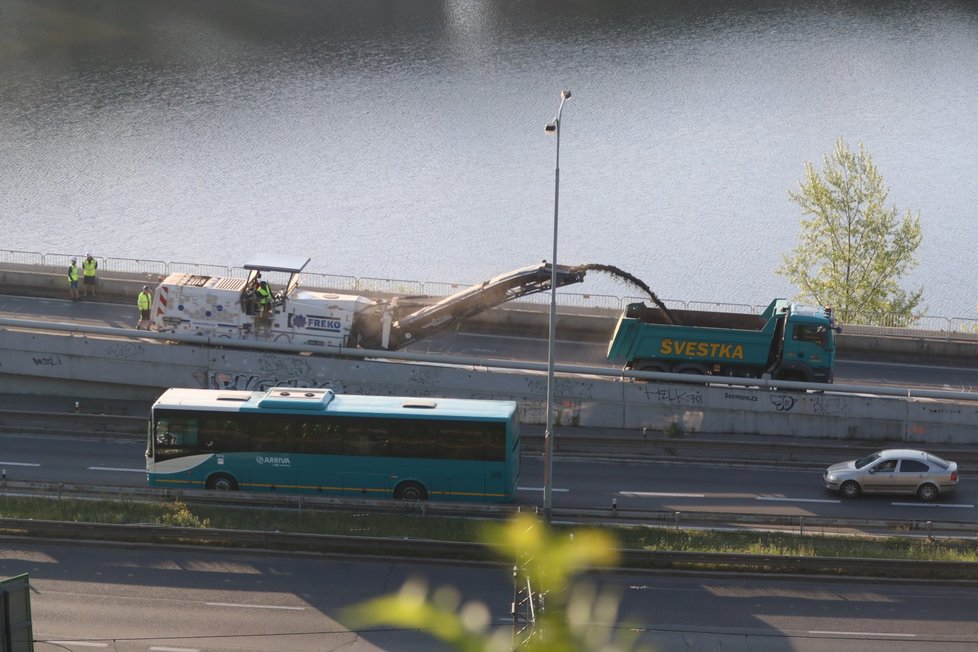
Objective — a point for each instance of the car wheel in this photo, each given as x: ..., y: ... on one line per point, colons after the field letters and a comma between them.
x: 850, y: 489
x: 927, y: 492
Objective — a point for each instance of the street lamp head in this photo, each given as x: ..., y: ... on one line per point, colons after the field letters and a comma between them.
x: 551, y: 126
x: 565, y: 95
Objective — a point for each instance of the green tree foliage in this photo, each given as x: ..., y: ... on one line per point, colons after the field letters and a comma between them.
x: 852, y: 249
x: 576, y: 615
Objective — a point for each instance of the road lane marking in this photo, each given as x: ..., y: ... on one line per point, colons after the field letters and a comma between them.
x: 77, y: 643
x: 901, y: 364
x: 820, y: 631
x: 252, y: 606
x: 658, y: 494
x: 931, y: 505
x: 18, y: 464
x: 112, y: 468
x: 173, y: 649
x: 541, y: 489
x: 798, y: 500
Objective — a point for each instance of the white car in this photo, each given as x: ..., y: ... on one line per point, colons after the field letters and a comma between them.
x: 894, y: 471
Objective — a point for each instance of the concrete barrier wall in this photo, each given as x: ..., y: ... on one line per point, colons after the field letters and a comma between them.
x: 91, y: 366
x: 589, y: 325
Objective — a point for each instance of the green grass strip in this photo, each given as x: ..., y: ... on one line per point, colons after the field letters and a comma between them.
x: 384, y: 524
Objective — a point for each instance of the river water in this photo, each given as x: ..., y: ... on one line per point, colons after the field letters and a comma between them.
x: 404, y: 139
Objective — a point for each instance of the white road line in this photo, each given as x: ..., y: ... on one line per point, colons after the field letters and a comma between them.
x: 253, y: 606
x: 541, y: 489
x: 658, y: 494
x: 18, y: 464
x: 931, y: 505
x: 819, y: 631
x: 112, y: 468
x: 797, y: 500
x: 901, y: 364
x: 78, y: 643
x: 173, y: 649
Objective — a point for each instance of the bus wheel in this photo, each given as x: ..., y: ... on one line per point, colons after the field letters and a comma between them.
x: 222, y: 482
x: 412, y: 491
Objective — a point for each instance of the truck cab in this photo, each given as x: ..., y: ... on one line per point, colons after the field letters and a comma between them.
x: 808, y: 345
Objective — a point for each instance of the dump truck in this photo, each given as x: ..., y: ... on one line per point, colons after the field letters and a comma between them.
x: 252, y: 307
x: 788, y: 341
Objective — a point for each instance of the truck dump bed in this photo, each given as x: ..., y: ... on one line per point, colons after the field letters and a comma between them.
x: 697, y: 318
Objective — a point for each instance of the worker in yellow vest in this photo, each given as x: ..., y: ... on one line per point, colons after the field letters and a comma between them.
x: 89, y: 265
x: 73, y: 280
x: 264, y: 294
x: 143, y: 301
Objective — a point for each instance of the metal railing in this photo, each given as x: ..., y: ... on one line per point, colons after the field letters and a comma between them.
x: 893, y: 325
x: 631, y: 558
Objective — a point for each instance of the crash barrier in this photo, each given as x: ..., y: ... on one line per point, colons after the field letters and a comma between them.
x: 613, y: 513
x: 445, y: 550
x: 102, y: 362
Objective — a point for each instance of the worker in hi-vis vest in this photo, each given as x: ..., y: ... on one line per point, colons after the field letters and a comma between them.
x: 73, y: 280
x: 264, y: 297
x: 89, y: 265
x: 143, y: 301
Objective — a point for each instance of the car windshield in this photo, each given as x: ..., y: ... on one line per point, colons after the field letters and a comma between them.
x: 869, y: 459
x: 944, y: 464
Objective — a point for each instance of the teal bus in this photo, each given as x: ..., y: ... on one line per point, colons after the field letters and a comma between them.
x: 316, y: 441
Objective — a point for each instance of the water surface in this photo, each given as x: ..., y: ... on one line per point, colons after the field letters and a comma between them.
x: 405, y: 139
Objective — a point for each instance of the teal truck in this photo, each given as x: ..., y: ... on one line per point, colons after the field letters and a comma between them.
x: 788, y: 341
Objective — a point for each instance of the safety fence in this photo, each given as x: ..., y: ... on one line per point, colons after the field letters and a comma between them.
x: 430, y: 548
x: 889, y: 325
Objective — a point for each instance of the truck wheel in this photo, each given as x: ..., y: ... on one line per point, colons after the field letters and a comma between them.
x: 691, y: 369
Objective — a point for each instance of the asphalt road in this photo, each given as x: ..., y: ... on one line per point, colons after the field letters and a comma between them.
x: 150, y: 599
x: 684, y: 487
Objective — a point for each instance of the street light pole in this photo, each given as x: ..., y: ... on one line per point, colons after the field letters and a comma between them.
x: 548, y: 437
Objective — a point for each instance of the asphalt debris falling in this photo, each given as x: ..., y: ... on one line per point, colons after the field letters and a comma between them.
x: 630, y: 279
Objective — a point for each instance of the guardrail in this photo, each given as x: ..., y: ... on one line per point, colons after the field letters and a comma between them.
x: 931, y: 326
x: 446, y: 550
x: 806, y: 525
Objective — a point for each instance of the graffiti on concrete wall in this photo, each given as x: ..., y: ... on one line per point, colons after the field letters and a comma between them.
x: 261, y: 382
x: 679, y: 395
x: 124, y: 350
x: 280, y: 366
x: 783, y: 402
x: 811, y: 404
x: 735, y: 396
x: 828, y: 406
x: 566, y: 412
x: 48, y: 361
